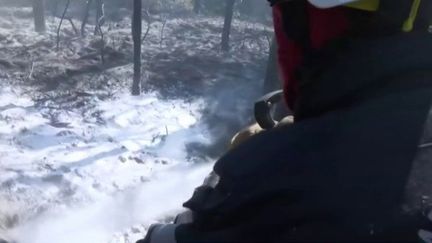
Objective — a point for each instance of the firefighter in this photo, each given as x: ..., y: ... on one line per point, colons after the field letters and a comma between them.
x: 356, y: 164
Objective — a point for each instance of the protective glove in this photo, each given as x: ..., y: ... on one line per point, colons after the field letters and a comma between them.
x: 160, y: 233
x: 254, y: 129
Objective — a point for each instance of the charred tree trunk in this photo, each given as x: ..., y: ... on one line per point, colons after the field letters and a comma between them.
x: 39, y: 15
x: 229, y: 11
x: 85, y: 17
x: 99, y: 16
x: 136, y: 35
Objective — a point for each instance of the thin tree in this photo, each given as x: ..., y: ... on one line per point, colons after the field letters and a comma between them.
x: 85, y: 17
x: 61, y: 22
x: 229, y: 11
x: 136, y: 35
x: 100, y: 20
x: 99, y: 16
x: 39, y: 15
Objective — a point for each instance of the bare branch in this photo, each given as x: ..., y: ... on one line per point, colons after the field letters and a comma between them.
x: 146, y: 33
x: 61, y: 22
x: 162, y: 32
x: 99, y: 24
x: 149, y: 22
x: 73, y: 26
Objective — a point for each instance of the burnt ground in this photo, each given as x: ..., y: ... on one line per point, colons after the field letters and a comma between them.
x: 181, y: 60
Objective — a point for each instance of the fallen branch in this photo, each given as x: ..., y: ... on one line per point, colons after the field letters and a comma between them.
x: 6, y: 63
x: 90, y: 55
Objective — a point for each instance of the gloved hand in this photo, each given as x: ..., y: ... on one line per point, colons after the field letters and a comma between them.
x: 244, y: 135
x: 160, y: 233
x: 165, y: 233
x: 254, y: 129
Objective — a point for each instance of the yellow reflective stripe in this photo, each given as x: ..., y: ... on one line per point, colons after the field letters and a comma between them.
x: 408, y: 25
x: 368, y: 5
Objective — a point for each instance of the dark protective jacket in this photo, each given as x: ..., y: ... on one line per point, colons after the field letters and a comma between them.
x: 356, y: 166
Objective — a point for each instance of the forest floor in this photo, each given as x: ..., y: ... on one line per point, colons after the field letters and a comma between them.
x: 81, y: 160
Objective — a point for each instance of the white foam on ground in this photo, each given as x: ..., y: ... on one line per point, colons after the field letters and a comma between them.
x: 85, y: 181
x: 99, y: 221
